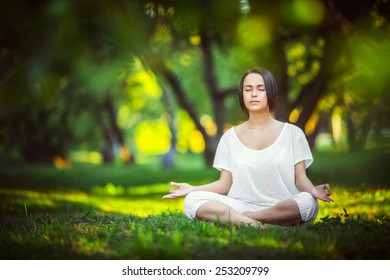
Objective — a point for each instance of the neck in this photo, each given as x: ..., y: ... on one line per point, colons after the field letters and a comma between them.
x: 260, y: 120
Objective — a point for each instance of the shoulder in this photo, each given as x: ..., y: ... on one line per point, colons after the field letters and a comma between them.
x: 225, y: 141
x: 294, y: 130
x: 227, y: 134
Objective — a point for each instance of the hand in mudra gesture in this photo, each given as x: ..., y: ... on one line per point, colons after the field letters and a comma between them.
x: 323, y: 192
x: 178, y: 190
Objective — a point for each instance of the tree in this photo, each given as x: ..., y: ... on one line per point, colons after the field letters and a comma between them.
x: 207, y: 22
x: 56, y: 55
x: 268, y: 32
x: 72, y: 52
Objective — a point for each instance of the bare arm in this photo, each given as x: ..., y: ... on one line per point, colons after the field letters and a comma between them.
x: 221, y: 186
x: 304, y: 184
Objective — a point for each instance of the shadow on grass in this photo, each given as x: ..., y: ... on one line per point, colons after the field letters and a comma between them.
x: 172, y: 236
x: 84, y: 177
x: 368, y: 168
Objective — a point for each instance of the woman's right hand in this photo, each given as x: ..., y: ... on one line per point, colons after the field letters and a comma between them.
x: 178, y: 190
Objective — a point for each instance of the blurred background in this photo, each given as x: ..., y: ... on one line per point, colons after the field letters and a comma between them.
x: 128, y: 83
x: 103, y: 103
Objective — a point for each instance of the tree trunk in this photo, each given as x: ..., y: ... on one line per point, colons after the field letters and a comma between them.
x: 159, y: 66
x: 309, y: 97
x: 283, y: 108
x: 109, y: 108
x: 357, y: 136
x: 107, y: 149
x: 168, y: 159
x: 209, y: 75
x: 335, y: 34
x: 217, y: 98
x: 321, y: 123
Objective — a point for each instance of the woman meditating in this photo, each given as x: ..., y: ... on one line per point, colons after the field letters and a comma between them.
x: 262, y: 164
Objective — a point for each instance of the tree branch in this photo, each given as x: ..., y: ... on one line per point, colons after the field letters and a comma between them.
x: 159, y: 66
x: 209, y: 67
x: 210, y: 79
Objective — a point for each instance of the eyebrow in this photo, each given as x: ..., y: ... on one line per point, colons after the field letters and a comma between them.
x: 255, y: 85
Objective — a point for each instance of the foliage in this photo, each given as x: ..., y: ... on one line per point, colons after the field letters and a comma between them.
x: 63, y: 76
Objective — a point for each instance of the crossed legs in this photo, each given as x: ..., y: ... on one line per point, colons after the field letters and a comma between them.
x: 302, y: 208
x: 283, y: 213
x: 216, y: 211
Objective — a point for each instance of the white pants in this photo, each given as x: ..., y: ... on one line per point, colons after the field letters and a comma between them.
x: 307, y: 204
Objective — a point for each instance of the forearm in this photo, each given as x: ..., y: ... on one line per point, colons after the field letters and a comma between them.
x: 218, y: 186
x: 221, y: 186
x: 304, y: 184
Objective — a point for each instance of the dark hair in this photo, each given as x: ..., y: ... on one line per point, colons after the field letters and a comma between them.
x: 270, y: 87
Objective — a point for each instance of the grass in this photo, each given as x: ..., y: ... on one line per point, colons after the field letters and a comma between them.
x: 96, y: 212
x: 92, y: 235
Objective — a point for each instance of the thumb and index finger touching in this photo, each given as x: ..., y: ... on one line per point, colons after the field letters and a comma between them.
x: 327, y: 191
x: 173, y: 186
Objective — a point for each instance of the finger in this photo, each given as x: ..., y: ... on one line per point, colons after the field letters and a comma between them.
x: 328, y: 193
x: 169, y: 196
x: 326, y: 188
x: 329, y: 190
x: 328, y: 199
x: 175, y: 185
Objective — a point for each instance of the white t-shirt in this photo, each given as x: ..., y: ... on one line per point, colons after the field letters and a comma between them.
x: 264, y: 177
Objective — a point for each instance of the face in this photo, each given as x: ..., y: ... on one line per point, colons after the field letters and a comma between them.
x: 254, y: 93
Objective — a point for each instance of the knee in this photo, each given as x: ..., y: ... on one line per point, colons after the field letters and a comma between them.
x: 308, y: 206
x: 191, y: 198
x: 310, y: 200
x: 192, y: 202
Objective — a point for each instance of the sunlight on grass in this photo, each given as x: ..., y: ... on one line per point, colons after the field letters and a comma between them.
x: 141, y: 201
x: 358, y: 203
x: 147, y: 200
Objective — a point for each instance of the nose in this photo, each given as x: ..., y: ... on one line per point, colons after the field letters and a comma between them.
x: 254, y: 93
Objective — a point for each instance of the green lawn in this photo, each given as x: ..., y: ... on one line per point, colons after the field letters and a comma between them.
x: 116, y: 212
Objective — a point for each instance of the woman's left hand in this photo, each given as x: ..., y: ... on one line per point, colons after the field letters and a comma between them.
x: 323, y: 192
